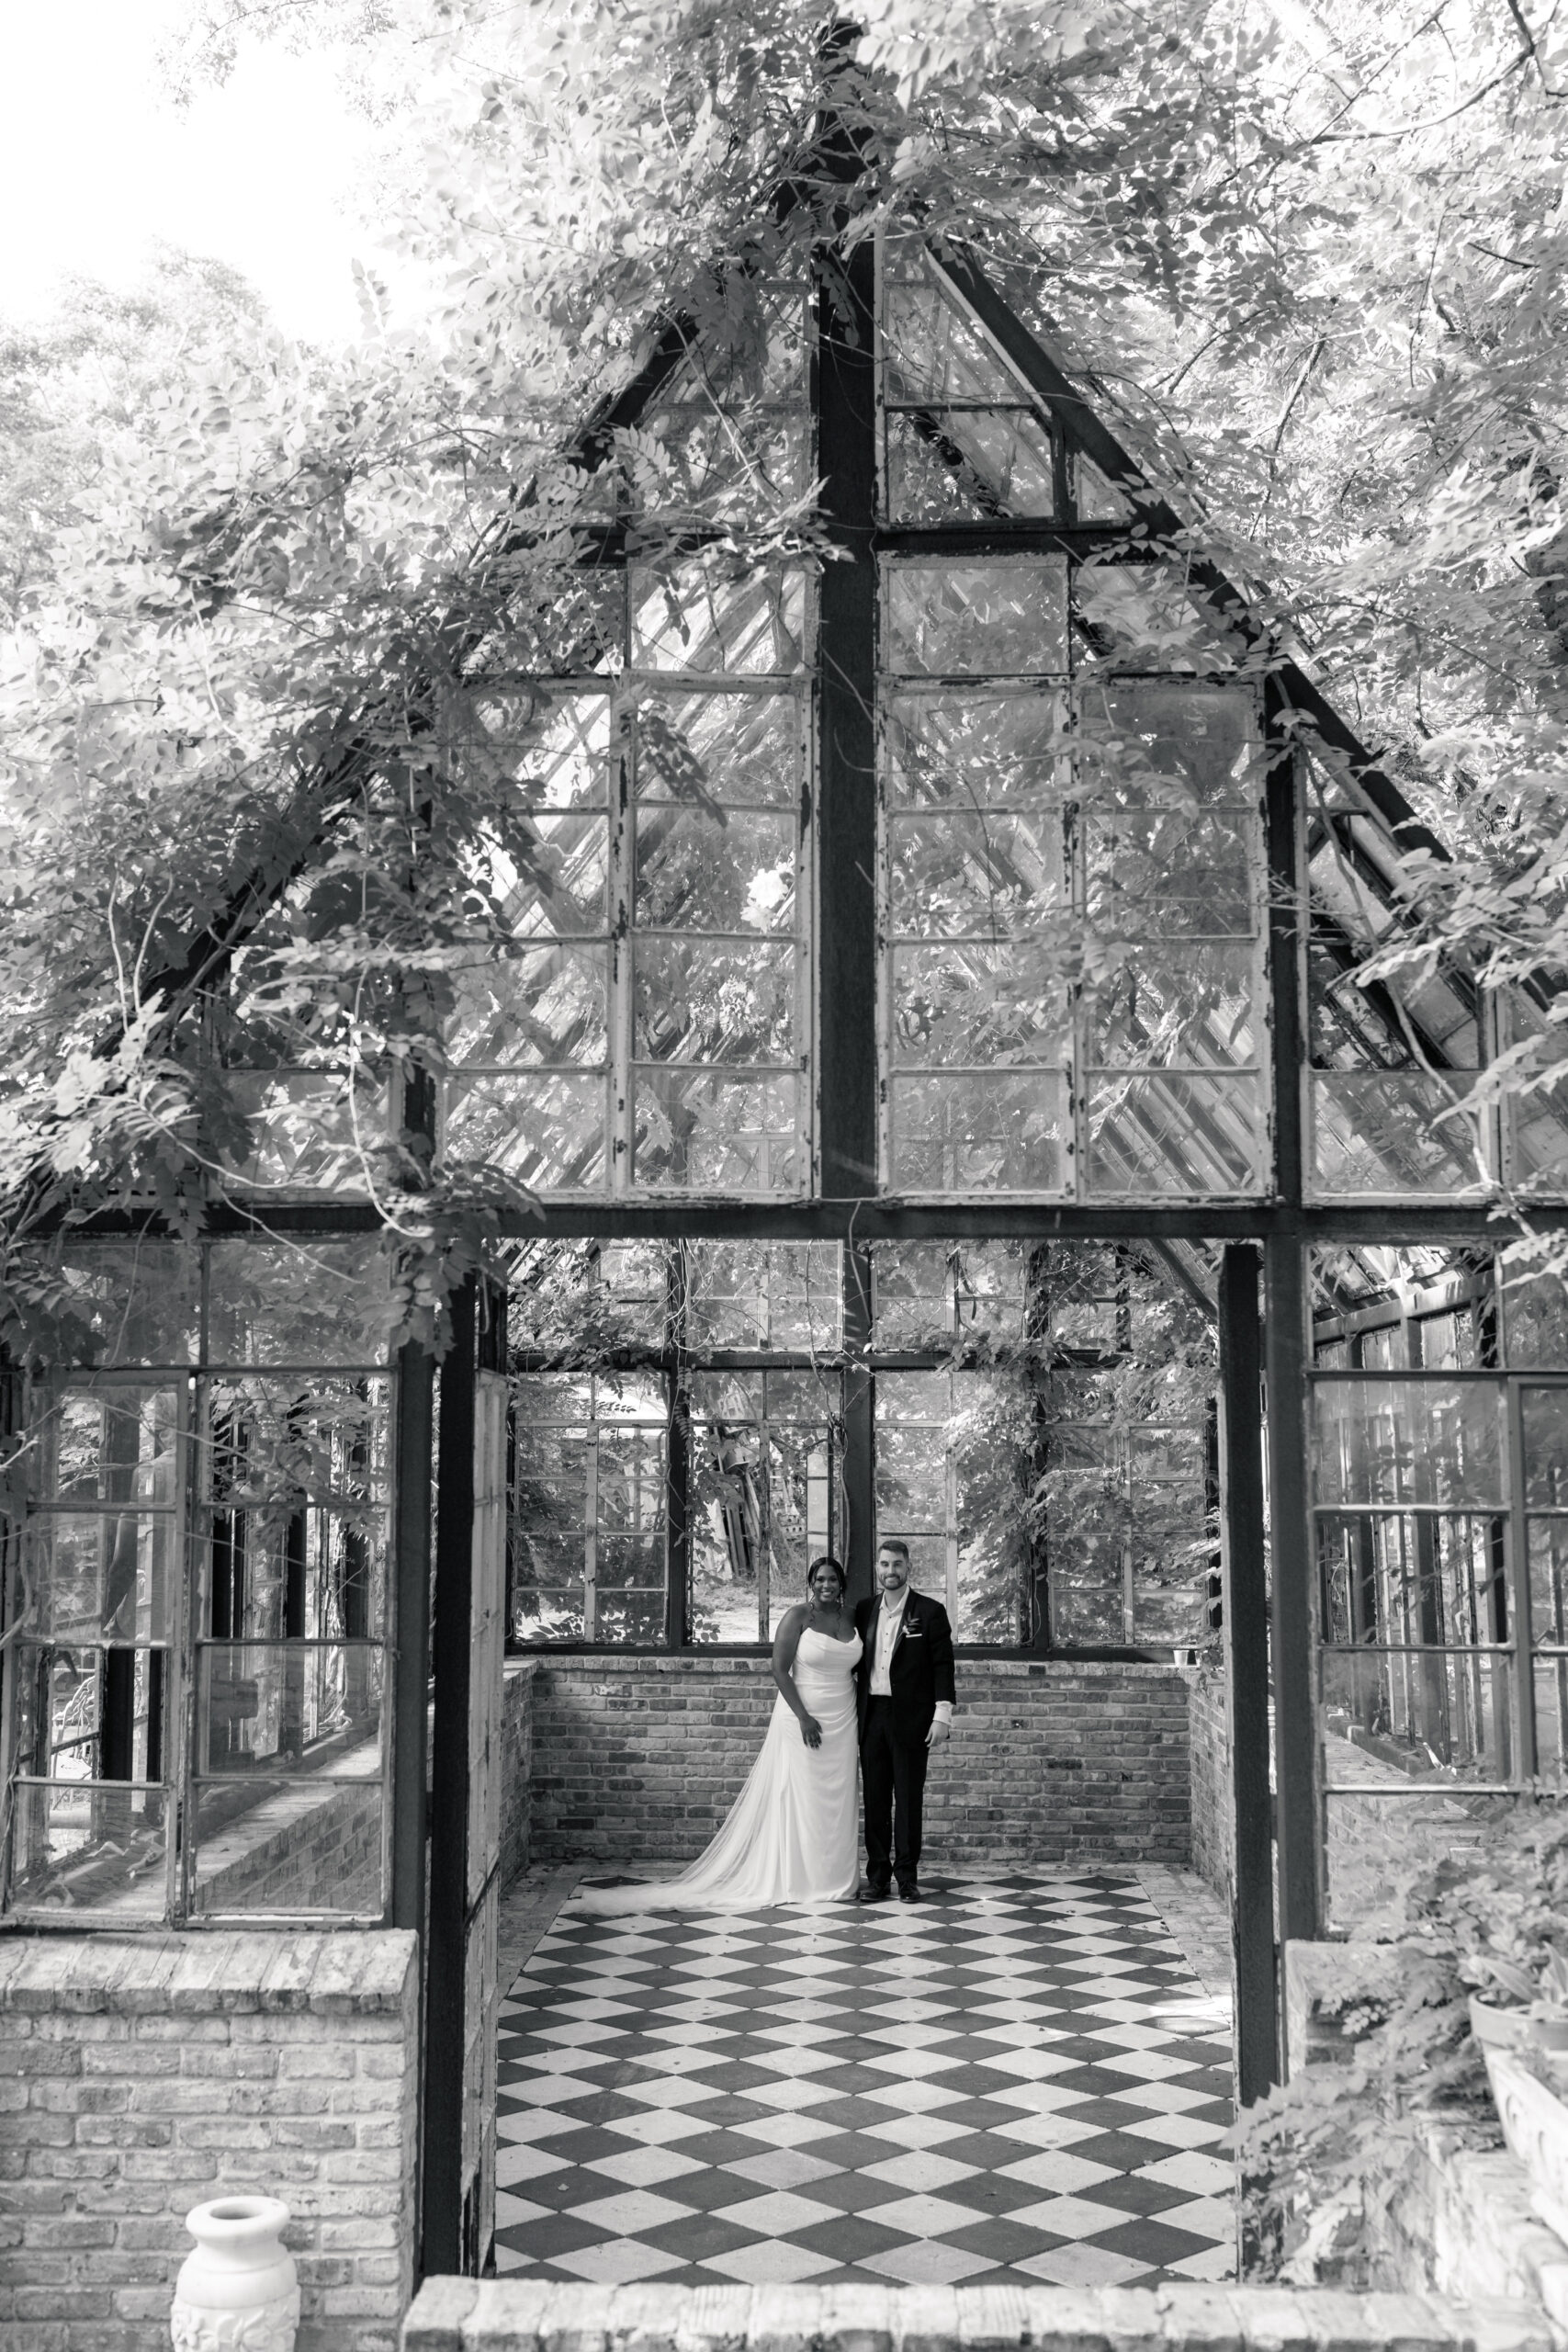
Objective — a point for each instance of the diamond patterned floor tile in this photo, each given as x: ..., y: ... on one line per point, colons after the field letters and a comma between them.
x: 1018, y: 2081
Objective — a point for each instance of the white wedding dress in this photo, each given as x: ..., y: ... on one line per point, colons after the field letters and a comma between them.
x: 793, y: 1835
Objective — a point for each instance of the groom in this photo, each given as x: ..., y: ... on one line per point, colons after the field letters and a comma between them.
x: 904, y: 1693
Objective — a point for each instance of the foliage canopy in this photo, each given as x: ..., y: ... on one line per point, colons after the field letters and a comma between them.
x: 1314, y: 256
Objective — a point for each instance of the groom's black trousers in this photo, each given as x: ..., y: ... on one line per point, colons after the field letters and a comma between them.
x: 893, y: 1781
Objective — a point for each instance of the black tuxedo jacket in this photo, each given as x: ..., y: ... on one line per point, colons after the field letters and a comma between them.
x: 920, y: 1672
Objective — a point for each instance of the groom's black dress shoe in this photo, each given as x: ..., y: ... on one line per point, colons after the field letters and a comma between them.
x: 874, y: 1894
x: 910, y: 1893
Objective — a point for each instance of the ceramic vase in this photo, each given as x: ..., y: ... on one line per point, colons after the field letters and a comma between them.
x: 238, y: 2290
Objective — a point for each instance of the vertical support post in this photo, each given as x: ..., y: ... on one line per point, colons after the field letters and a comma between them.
x: 413, y: 1437
x: 845, y: 384
x: 1297, y: 1799
x: 442, y: 2202
x: 1298, y: 1821
x: 857, y: 1533
x: 678, y: 1514
x: 677, y: 1456
x: 844, y: 396
x: 1246, y: 1607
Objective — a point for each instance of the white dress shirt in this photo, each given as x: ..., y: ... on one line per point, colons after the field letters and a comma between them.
x: 889, y: 1619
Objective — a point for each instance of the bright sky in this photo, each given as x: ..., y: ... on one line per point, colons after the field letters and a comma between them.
x: 96, y: 165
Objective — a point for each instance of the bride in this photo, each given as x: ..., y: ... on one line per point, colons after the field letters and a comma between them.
x: 793, y: 1832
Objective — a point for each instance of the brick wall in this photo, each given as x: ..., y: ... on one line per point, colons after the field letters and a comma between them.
x: 518, y: 1767
x: 641, y: 1757
x: 144, y: 2075
x: 1214, y: 1841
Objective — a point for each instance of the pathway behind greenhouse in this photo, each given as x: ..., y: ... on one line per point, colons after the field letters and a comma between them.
x: 1023, y: 2079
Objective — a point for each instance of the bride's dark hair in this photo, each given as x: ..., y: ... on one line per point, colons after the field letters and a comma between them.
x: 826, y: 1560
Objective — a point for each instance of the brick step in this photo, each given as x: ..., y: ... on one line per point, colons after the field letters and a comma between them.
x: 541, y: 2315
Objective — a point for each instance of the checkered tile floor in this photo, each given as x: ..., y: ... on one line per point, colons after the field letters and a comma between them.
x: 1018, y: 2080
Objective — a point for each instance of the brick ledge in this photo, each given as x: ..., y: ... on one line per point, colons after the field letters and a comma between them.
x: 327, y: 1973
x: 537, y: 2315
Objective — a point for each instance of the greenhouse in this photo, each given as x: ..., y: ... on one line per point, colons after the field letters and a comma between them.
x: 916, y: 1040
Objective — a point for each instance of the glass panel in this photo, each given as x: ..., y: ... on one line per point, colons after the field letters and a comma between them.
x: 911, y: 1474
x: 1195, y: 1006
x: 914, y: 1292
x: 727, y: 1396
x: 974, y: 875
x: 294, y: 1706
x: 1086, y: 1591
x: 1552, y: 1721
x: 1540, y: 1135
x: 309, y: 1130
x: 111, y: 1444
x: 1549, y: 1581
x: 1171, y: 875
x: 298, y: 1483
x: 944, y: 462
x: 1431, y: 1579
x: 715, y: 869
x: 1149, y: 744
x: 635, y: 1620
x: 1535, y: 1317
x: 1411, y: 1715
x: 1148, y: 616
x: 632, y: 1492
x: 932, y: 350
x: 1374, y: 1132
x: 553, y: 883
x: 298, y: 1844
x: 101, y: 1849
x: 99, y: 1578
x: 537, y: 749
x: 725, y: 1002
x: 1175, y: 1134
x: 1544, y: 1412
x: 88, y: 1712
x: 299, y: 1302
x: 714, y: 615
x: 915, y: 1396
x: 549, y: 1132
x: 138, y: 1302
x: 1395, y: 1440
x: 743, y: 750
x: 1006, y: 617
x: 979, y: 1131
x: 989, y: 1436
x: 927, y: 475
x: 539, y: 1616
x: 629, y: 1564
x: 548, y: 1006
x: 729, y: 1516
x: 758, y: 1294
x: 686, y: 458
x: 977, y: 751
x: 971, y: 1004
x: 992, y: 1283
x: 558, y: 1290
x: 717, y: 1130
